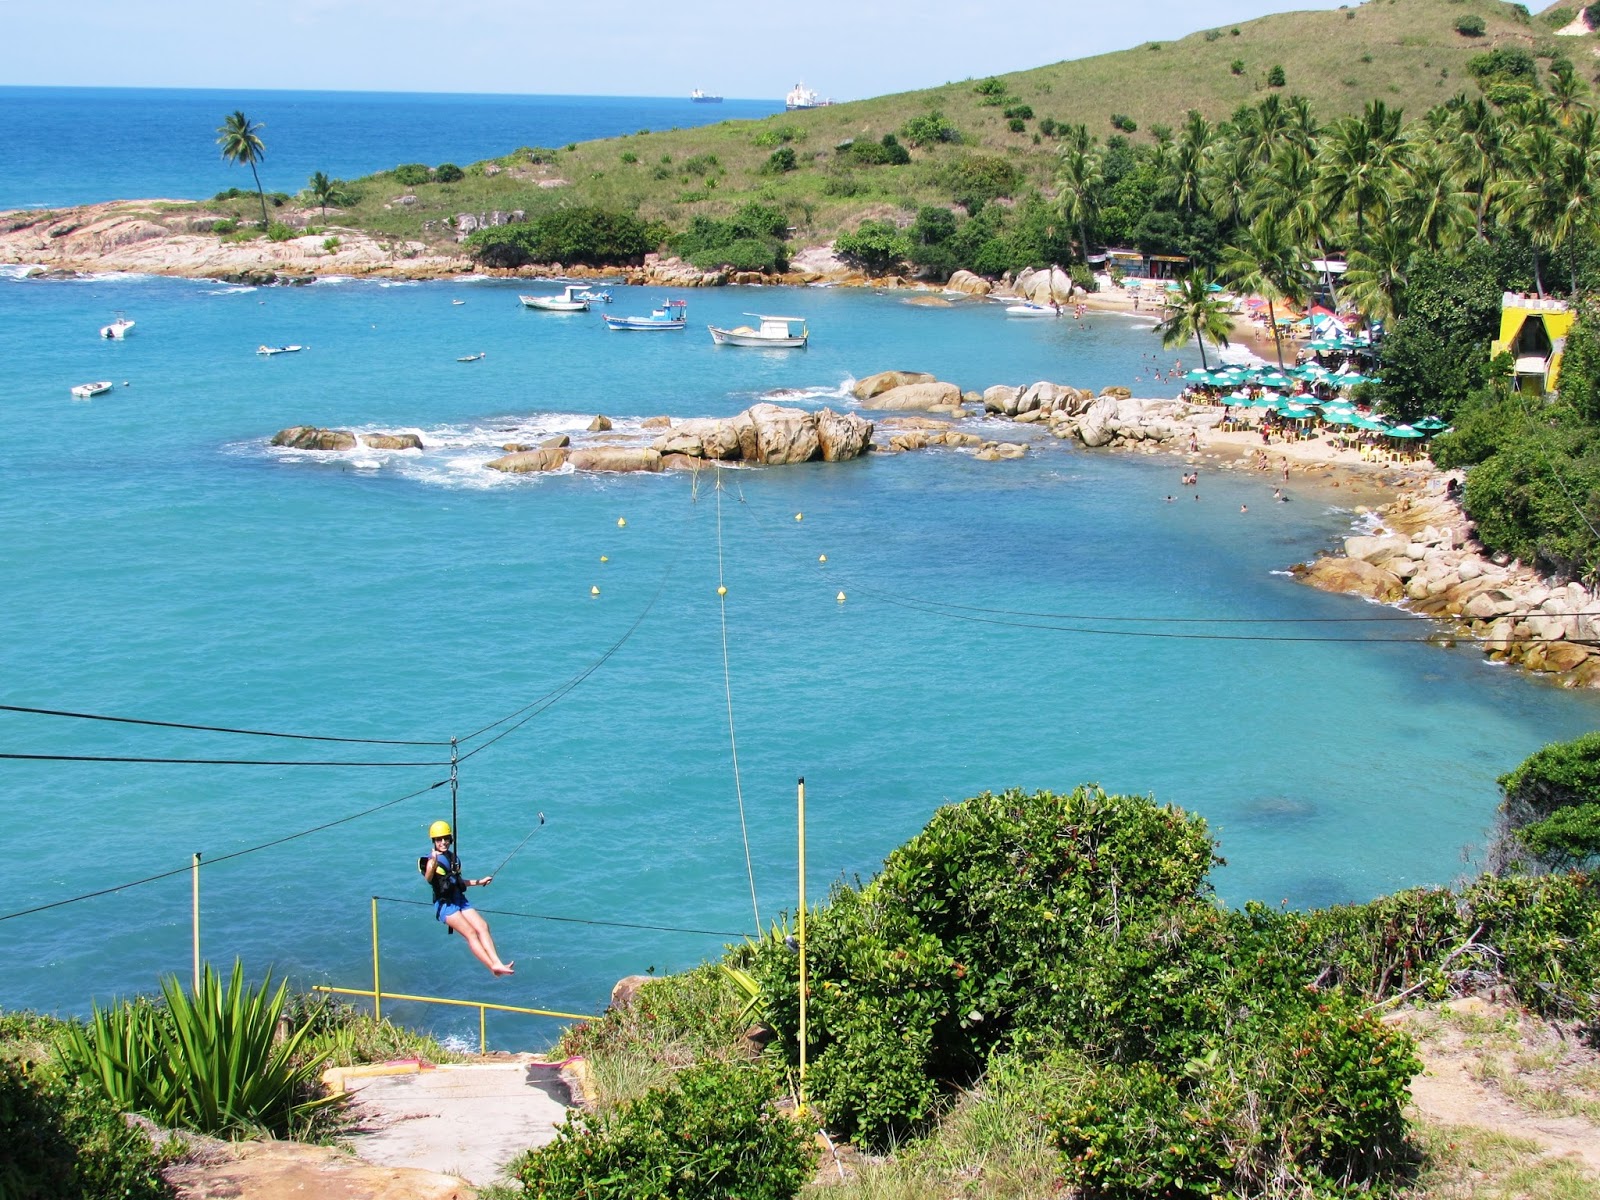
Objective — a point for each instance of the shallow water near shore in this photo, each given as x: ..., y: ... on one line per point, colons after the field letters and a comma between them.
x: 162, y: 561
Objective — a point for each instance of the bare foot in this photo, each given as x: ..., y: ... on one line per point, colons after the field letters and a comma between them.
x: 504, y: 969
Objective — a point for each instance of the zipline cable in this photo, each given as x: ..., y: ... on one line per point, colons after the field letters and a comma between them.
x: 727, y: 689
x: 264, y: 733
x: 210, y: 862
x: 500, y: 912
x: 211, y: 762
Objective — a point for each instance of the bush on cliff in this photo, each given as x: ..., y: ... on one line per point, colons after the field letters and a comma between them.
x: 878, y: 247
x: 1550, y: 814
x: 752, y: 239
x: 578, y: 235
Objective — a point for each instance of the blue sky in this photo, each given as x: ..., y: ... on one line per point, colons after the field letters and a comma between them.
x: 747, y: 48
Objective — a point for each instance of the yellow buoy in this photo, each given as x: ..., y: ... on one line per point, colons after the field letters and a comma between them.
x: 840, y: 597
x: 799, y: 516
x: 594, y: 591
x: 621, y: 521
x: 822, y: 558
x: 603, y: 558
x: 721, y: 590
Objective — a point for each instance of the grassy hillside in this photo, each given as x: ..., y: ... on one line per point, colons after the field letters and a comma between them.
x: 1407, y: 53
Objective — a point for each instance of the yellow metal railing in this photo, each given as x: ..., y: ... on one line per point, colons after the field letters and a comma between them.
x: 377, y: 995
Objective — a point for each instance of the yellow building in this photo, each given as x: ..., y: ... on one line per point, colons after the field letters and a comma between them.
x: 1534, y: 333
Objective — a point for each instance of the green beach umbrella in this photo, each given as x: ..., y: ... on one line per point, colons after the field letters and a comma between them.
x: 1402, y: 431
x: 1429, y: 425
x: 1198, y: 375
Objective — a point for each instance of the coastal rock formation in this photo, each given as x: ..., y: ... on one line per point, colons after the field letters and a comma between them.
x: 309, y: 437
x: 273, y: 1170
x: 392, y: 441
x: 672, y: 271
x: 600, y: 424
x: 916, y: 397
x: 615, y: 458
x: 1427, y: 561
x: 770, y: 435
x: 523, y: 462
x: 966, y: 282
x: 1050, y: 286
x: 873, y: 385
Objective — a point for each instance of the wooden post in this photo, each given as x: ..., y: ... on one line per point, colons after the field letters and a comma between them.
x: 802, y: 939
x: 194, y: 918
x: 377, y: 989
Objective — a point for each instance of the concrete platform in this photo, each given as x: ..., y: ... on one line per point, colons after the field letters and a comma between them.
x: 465, y: 1119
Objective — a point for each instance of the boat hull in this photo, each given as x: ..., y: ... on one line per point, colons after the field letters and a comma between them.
x: 86, y: 390
x: 1030, y: 310
x: 732, y: 337
x: 552, y: 304
x: 641, y: 324
x: 117, y: 330
x: 269, y: 351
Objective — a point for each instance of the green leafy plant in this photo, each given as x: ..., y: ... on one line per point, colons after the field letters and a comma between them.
x: 929, y: 129
x: 1471, y: 26
x: 1124, y: 123
x: 412, y: 174
x: 579, y: 234
x: 714, y: 1135
x: 878, y: 246
x: 1236, y: 67
x: 1276, y: 78
x: 448, y: 173
x: 781, y: 161
x: 629, y: 157
x: 211, y: 1061
x: 279, y: 232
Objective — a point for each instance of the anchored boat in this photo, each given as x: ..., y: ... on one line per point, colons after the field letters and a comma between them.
x: 118, y: 329
x: 1030, y: 309
x: 671, y: 315
x: 772, y: 332
x: 271, y: 350
x: 574, y: 298
x: 85, y: 390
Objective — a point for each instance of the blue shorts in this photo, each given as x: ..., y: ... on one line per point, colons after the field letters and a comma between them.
x: 444, y: 911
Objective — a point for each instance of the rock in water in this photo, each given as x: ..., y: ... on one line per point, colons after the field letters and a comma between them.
x: 309, y: 437
x: 615, y: 458
x: 915, y: 397
x: 866, y: 389
x: 601, y: 424
x: 842, y: 435
x: 524, y: 462
x: 391, y: 441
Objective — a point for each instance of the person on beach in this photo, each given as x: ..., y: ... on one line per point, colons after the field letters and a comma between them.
x: 442, y: 870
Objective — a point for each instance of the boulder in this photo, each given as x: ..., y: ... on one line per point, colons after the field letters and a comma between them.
x: 872, y: 385
x: 969, y: 284
x: 842, y: 435
x: 391, y: 441
x: 1095, y: 426
x: 626, y: 988
x: 656, y: 423
x: 1555, y: 657
x: 782, y: 435
x: 524, y: 462
x: 1376, y: 550
x: 1351, y: 576
x: 1002, y: 399
x: 601, y: 424
x: 1011, y: 449
x: 309, y: 437
x: 915, y: 397
x: 560, y: 442
x: 913, y: 440
x: 273, y: 1170
x: 615, y: 458
x: 1116, y: 390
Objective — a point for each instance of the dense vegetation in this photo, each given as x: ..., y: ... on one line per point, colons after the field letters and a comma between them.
x: 1064, y: 956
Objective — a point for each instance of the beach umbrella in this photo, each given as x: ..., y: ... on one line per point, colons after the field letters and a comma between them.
x: 1429, y: 425
x: 1402, y: 431
x: 1198, y: 375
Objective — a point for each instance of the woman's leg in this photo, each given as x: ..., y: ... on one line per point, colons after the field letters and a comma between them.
x: 481, y: 927
x: 460, y: 923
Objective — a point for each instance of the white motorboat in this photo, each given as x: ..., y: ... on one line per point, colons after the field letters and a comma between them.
x: 86, y: 390
x: 671, y: 315
x: 594, y: 297
x: 118, y: 329
x: 473, y: 357
x: 271, y: 350
x: 571, y: 300
x: 773, y: 332
x: 1030, y: 309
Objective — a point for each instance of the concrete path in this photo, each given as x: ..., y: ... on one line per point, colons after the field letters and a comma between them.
x: 466, y: 1119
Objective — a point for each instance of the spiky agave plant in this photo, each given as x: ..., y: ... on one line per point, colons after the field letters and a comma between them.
x: 212, y: 1061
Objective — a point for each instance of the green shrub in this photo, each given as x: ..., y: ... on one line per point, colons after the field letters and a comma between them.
x: 212, y: 1061
x: 1276, y: 78
x: 1017, y: 125
x: 779, y: 135
x: 1124, y: 123
x: 331, y: 244
x: 844, y: 184
x: 888, y: 152
x: 717, y: 1134
x: 412, y: 174
x: 1213, y: 34
x: 279, y: 232
x: 629, y: 158
x: 781, y: 162
x: 1048, y: 126
x: 1236, y: 67
x: 1591, y: 14
x: 975, y: 179
x: 1558, y: 17
x: 580, y: 234
x: 64, y: 1141
x: 878, y: 246
x: 990, y: 87
x: 1025, y: 111
x: 752, y: 239
x: 222, y: 228
x: 701, y: 165
x: 930, y: 129
x: 1503, y: 64
x: 1470, y: 25
x: 448, y: 173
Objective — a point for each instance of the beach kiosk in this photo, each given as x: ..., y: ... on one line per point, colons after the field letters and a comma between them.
x: 1534, y: 333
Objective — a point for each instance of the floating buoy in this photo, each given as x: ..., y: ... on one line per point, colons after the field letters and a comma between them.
x: 840, y: 597
x: 822, y: 558
x: 722, y: 590
x: 799, y: 516
x: 603, y: 558
x: 621, y: 521
x: 594, y: 591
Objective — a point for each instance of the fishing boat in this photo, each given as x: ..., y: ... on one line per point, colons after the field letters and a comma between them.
x: 118, y: 329
x: 473, y: 357
x: 1030, y: 309
x: 774, y: 332
x: 671, y: 315
x: 703, y: 97
x: 86, y: 390
x: 571, y: 300
x: 595, y: 297
x: 271, y: 350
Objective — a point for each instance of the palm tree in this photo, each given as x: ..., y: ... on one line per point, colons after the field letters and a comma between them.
x: 242, y: 144
x: 1267, y: 262
x: 1432, y: 205
x: 1569, y: 96
x: 1538, y: 200
x: 1359, y: 160
x: 1231, y: 182
x: 321, y: 189
x: 1377, y: 277
x: 1198, y: 314
x: 1190, y: 163
x: 1480, y: 149
x: 1078, y: 182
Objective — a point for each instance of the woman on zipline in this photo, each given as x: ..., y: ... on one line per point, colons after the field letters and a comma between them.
x: 442, y: 870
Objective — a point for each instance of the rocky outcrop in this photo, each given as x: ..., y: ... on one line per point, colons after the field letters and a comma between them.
x: 309, y: 437
x: 283, y: 1170
x: 770, y: 435
x: 1050, y: 286
x: 615, y: 458
x: 523, y: 462
x: 916, y: 397
x: 873, y: 385
x: 674, y: 272
x: 600, y: 424
x: 969, y: 284
x: 391, y: 441
x: 1426, y: 560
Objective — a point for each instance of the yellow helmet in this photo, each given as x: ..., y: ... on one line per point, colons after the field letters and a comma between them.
x: 439, y: 829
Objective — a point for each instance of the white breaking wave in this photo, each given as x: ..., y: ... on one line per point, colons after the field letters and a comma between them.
x: 229, y: 291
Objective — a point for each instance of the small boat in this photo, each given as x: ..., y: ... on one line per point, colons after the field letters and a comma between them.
x: 671, y: 315
x: 570, y: 300
x: 1030, y: 309
x: 473, y: 357
x: 86, y: 390
x: 118, y: 329
x: 458, y: 302
x: 703, y: 97
x: 271, y: 350
x: 595, y: 297
x: 775, y: 332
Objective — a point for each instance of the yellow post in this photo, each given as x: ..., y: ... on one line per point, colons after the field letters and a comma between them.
x: 483, y: 1030
x: 377, y: 991
x: 194, y: 919
x: 802, y: 940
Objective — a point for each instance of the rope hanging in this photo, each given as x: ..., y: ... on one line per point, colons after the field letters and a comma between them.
x: 727, y: 690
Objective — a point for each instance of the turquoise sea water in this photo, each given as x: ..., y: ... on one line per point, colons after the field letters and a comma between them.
x: 160, y: 560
